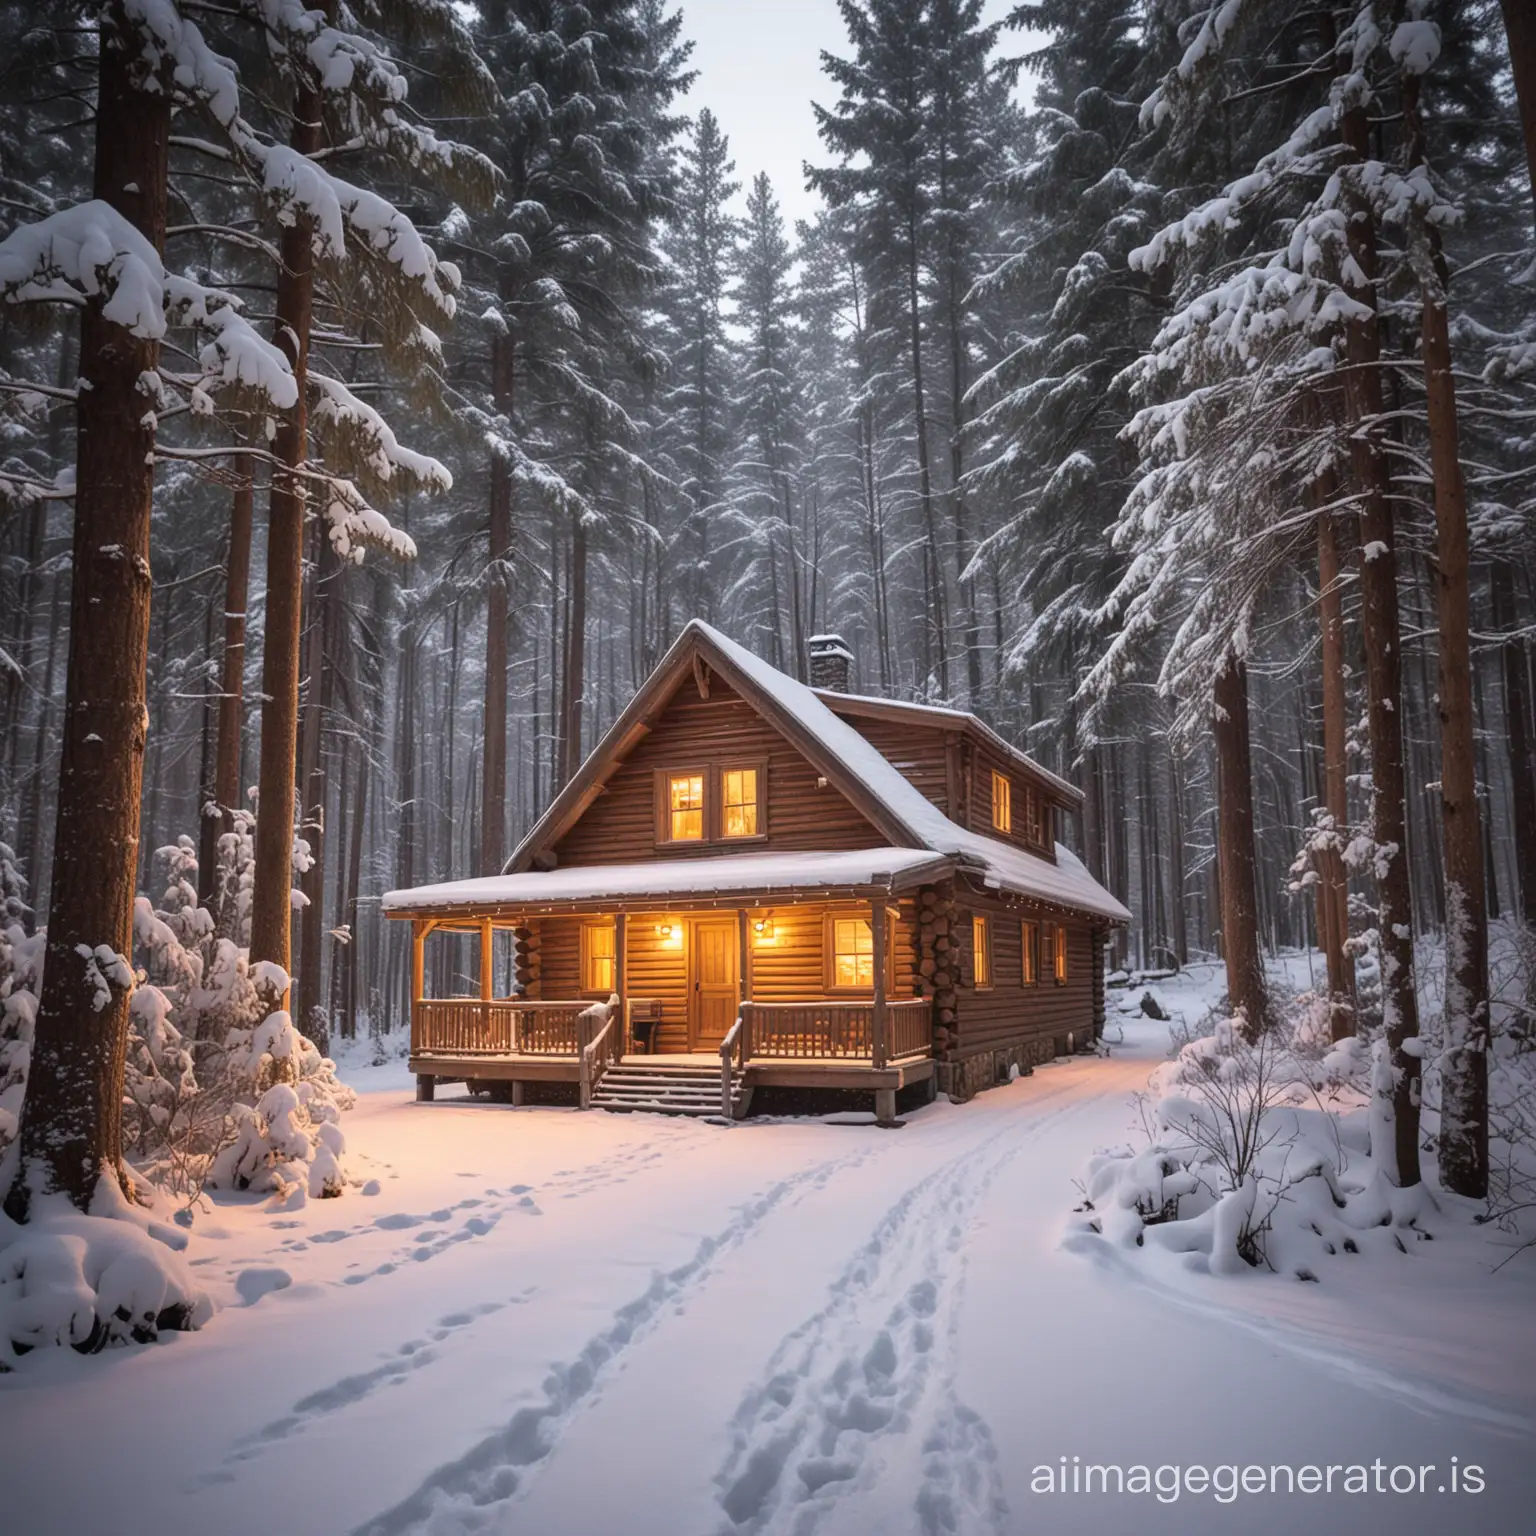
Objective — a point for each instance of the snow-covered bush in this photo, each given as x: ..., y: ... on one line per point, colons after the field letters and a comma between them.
x: 289, y: 1102
x: 1258, y: 1155
x: 87, y: 1281
x: 21, y: 981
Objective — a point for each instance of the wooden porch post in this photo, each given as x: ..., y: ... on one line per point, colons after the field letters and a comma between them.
x: 744, y: 980
x: 487, y: 978
x: 881, y: 1040
x: 621, y: 980
x: 426, y: 1084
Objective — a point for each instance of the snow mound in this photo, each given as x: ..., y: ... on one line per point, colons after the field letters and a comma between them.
x: 89, y: 1281
x: 1258, y: 1158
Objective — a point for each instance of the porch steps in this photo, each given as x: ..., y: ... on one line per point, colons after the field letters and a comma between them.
x: 684, y: 1089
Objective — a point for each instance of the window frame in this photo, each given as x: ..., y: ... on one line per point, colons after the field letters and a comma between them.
x: 1029, y: 951
x: 757, y: 765
x: 830, y: 918
x: 1061, y: 972
x: 981, y: 953
x: 1002, y: 802
x: 589, y: 927
x: 663, y: 805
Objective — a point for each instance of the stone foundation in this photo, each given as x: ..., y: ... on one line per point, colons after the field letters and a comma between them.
x: 964, y: 1079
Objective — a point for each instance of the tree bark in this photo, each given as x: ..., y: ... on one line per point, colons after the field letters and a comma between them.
x: 1463, y: 1145
x: 1514, y: 670
x: 1246, y: 993
x: 493, y: 790
x: 310, y: 1010
x: 71, y: 1126
x: 1334, y: 887
x: 271, y: 896
x: 1383, y: 676
x: 1520, y: 28
x: 219, y: 808
x: 575, y: 657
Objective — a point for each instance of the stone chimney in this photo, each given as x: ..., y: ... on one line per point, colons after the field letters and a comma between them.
x: 830, y: 662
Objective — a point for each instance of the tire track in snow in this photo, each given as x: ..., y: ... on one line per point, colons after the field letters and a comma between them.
x: 470, y: 1494
x: 879, y: 1362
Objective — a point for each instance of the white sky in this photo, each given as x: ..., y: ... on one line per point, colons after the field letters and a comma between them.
x: 759, y: 64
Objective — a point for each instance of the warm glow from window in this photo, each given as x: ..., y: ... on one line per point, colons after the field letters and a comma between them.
x: 1002, y: 803
x: 981, y: 945
x: 1031, y: 953
x: 739, y: 802
x: 1061, y: 953
x: 1048, y: 949
x: 853, y: 953
x: 597, y: 953
x: 685, y: 807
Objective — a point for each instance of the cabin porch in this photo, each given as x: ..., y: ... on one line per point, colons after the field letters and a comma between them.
x: 690, y: 1010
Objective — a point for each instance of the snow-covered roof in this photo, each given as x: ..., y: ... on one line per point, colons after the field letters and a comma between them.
x: 903, y: 812
x: 733, y: 874
x: 953, y: 719
x: 1066, y: 883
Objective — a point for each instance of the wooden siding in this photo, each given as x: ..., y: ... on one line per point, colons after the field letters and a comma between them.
x: 619, y: 827
x: 788, y: 968
x: 954, y: 771
x: 919, y: 752
x: 1009, y: 1011
x: 980, y: 760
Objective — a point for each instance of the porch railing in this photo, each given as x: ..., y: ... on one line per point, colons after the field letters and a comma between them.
x: 834, y: 1031
x: 468, y: 1026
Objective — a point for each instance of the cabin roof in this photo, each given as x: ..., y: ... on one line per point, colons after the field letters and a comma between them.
x: 940, y: 717
x: 897, y: 809
x: 739, y: 874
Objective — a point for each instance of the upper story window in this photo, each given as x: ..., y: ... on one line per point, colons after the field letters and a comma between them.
x: 597, y: 957
x: 685, y: 808
x: 740, y: 802
x: 1002, y: 802
x: 1035, y: 812
x: 1031, y: 938
x: 981, y: 948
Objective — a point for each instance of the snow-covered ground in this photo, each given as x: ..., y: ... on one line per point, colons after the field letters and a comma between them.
x: 567, y: 1323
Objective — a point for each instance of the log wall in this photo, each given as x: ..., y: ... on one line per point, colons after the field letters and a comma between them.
x: 619, y: 827
x: 787, y: 967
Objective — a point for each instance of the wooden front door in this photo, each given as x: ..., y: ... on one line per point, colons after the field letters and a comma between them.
x: 714, y: 982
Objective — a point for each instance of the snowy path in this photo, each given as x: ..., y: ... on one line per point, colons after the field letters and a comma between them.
x: 570, y: 1324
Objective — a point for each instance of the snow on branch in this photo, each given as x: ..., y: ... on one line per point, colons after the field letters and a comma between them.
x: 362, y: 434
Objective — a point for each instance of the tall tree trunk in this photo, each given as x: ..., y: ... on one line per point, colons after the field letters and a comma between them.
x: 493, y: 788
x: 219, y: 807
x: 935, y: 622
x: 271, y: 896
x: 1463, y: 1142
x: 1246, y: 993
x: 1520, y: 28
x: 71, y: 1127
x: 575, y: 657
x: 319, y: 701
x: 1515, y: 674
x: 1383, y: 676
x: 1334, y: 886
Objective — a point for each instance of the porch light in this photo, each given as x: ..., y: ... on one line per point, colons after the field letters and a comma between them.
x: 762, y: 929
x: 670, y: 934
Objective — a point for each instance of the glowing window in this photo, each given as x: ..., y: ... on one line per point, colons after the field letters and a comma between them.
x: 1048, y: 949
x: 1061, y: 954
x: 853, y: 953
x: 685, y: 807
x: 981, y: 947
x: 1002, y: 803
x: 597, y: 952
x: 739, y: 814
x: 1031, y: 953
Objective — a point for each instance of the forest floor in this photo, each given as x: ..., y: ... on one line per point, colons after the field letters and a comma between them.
x: 638, y: 1326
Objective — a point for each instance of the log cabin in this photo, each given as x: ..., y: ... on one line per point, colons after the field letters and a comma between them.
x: 753, y: 883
